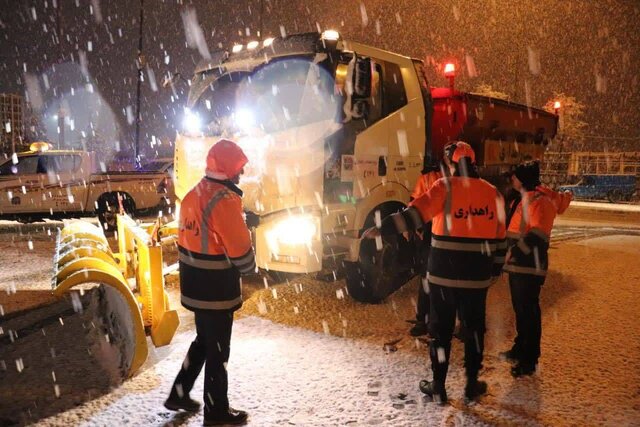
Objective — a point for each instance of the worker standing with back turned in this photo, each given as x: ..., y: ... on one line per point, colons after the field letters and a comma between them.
x: 214, y: 247
x: 467, y: 253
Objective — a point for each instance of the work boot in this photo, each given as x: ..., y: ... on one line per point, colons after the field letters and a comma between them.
x: 175, y: 403
x: 232, y: 416
x: 435, y: 390
x: 523, y: 368
x: 511, y: 355
x: 419, y: 329
x: 474, y: 389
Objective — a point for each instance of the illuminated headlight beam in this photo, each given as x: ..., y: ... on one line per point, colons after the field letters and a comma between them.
x: 294, y: 230
x: 191, y: 122
x: 244, y: 119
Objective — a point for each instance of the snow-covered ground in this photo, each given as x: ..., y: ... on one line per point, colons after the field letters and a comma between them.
x: 305, y: 355
x: 284, y: 376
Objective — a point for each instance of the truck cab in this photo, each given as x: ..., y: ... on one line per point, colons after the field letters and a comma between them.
x: 337, y: 134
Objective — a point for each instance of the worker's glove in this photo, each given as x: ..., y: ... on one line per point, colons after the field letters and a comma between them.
x: 252, y: 219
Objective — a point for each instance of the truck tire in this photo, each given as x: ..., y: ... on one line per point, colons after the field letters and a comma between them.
x: 379, y: 273
x: 108, y: 208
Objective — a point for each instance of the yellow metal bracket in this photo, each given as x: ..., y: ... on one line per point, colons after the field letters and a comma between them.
x: 83, y: 256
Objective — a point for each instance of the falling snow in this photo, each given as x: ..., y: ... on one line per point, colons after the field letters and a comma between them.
x: 304, y: 353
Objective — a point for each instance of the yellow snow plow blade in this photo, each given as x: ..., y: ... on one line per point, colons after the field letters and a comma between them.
x: 132, y: 279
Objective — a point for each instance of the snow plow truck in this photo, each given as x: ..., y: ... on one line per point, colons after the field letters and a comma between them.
x: 336, y: 133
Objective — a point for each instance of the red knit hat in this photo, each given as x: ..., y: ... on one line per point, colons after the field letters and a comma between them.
x: 225, y: 160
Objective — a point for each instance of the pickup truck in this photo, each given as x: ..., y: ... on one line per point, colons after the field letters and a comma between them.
x: 43, y: 183
x: 614, y: 188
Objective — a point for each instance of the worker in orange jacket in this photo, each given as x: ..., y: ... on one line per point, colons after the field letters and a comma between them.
x: 215, y: 249
x: 430, y: 174
x: 467, y: 253
x: 530, y: 220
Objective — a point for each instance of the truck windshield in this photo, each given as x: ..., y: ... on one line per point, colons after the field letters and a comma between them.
x: 284, y: 94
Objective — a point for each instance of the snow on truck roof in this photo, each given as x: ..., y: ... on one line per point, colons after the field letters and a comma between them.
x: 247, y: 57
x: 23, y: 153
x: 446, y: 93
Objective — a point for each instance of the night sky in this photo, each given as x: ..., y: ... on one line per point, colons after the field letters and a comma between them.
x: 585, y: 49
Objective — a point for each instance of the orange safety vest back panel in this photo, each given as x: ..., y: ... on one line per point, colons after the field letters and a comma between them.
x: 214, y: 246
x: 467, y: 246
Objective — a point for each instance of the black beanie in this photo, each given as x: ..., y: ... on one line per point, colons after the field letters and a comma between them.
x: 529, y: 174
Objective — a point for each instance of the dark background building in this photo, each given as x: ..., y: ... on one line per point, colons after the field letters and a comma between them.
x: 11, y: 119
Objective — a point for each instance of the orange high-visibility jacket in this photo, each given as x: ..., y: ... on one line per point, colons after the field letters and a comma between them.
x: 529, y: 233
x: 468, y: 240
x: 560, y: 200
x: 214, y: 246
x: 424, y: 183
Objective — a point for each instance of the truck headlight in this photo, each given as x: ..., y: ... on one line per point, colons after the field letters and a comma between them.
x: 191, y: 122
x: 294, y: 230
x: 244, y: 119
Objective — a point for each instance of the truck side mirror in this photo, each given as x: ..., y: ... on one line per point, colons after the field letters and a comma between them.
x: 362, y: 78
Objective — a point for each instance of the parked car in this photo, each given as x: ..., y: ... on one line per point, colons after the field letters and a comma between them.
x: 614, y: 188
x: 164, y: 165
x: 44, y: 183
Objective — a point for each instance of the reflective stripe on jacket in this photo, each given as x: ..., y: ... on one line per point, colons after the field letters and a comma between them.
x: 468, y: 231
x: 214, y: 246
x: 529, y: 233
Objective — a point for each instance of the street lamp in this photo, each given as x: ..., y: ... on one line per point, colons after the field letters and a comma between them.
x: 141, y: 63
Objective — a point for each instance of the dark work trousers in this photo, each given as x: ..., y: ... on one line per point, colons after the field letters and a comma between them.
x: 470, y: 304
x: 210, y: 348
x: 525, y: 297
x: 423, y: 247
x: 422, y: 308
